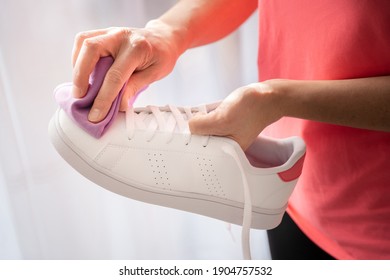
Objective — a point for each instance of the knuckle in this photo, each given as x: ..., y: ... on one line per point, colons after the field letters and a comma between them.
x: 115, y: 76
x: 120, y: 34
x: 143, y: 50
x: 81, y: 36
x: 124, y: 32
x: 102, y: 102
x: 92, y: 44
x: 139, y: 42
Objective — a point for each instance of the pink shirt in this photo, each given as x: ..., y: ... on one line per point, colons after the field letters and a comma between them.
x: 342, y: 200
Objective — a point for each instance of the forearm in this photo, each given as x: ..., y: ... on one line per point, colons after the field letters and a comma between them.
x: 360, y: 103
x: 199, y: 22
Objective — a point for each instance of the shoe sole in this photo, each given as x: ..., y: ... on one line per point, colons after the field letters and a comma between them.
x: 225, y: 210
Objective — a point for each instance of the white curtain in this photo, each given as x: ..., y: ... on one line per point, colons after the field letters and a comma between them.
x: 48, y: 210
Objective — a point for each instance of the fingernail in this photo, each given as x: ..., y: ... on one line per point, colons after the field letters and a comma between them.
x: 76, y: 92
x: 94, y: 115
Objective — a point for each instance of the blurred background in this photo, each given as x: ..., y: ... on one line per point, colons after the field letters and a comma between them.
x: 48, y: 210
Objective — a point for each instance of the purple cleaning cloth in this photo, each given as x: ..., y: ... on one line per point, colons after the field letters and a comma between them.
x: 78, y: 108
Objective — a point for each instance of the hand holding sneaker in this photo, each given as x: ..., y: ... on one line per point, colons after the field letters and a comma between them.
x: 242, y: 115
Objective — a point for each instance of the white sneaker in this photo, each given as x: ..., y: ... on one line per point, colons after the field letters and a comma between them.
x: 148, y: 154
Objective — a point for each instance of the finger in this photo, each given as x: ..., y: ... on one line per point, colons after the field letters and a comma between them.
x: 113, y: 82
x: 208, y: 124
x: 92, y: 49
x: 126, y: 62
x: 80, y: 38
x: 215, y: 124
x: 138, y: 82
x: 129, y: 97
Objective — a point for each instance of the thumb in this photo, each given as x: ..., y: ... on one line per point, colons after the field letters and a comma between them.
x: 130, y: 95
x: 134, y: 86
x: 204, y: 124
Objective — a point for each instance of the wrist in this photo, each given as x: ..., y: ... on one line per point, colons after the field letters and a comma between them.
x: 278, y: 95
x: 175, y: 35
x: 287, y: 96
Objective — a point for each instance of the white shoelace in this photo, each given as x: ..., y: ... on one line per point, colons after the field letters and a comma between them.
x: 173, y: 119
x: 247, y: 217
x: 169, y: 119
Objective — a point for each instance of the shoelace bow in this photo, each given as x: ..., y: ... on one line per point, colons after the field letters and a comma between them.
x: 172, y: 119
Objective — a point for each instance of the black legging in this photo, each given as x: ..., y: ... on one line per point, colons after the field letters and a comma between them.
x: 288, y: 242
